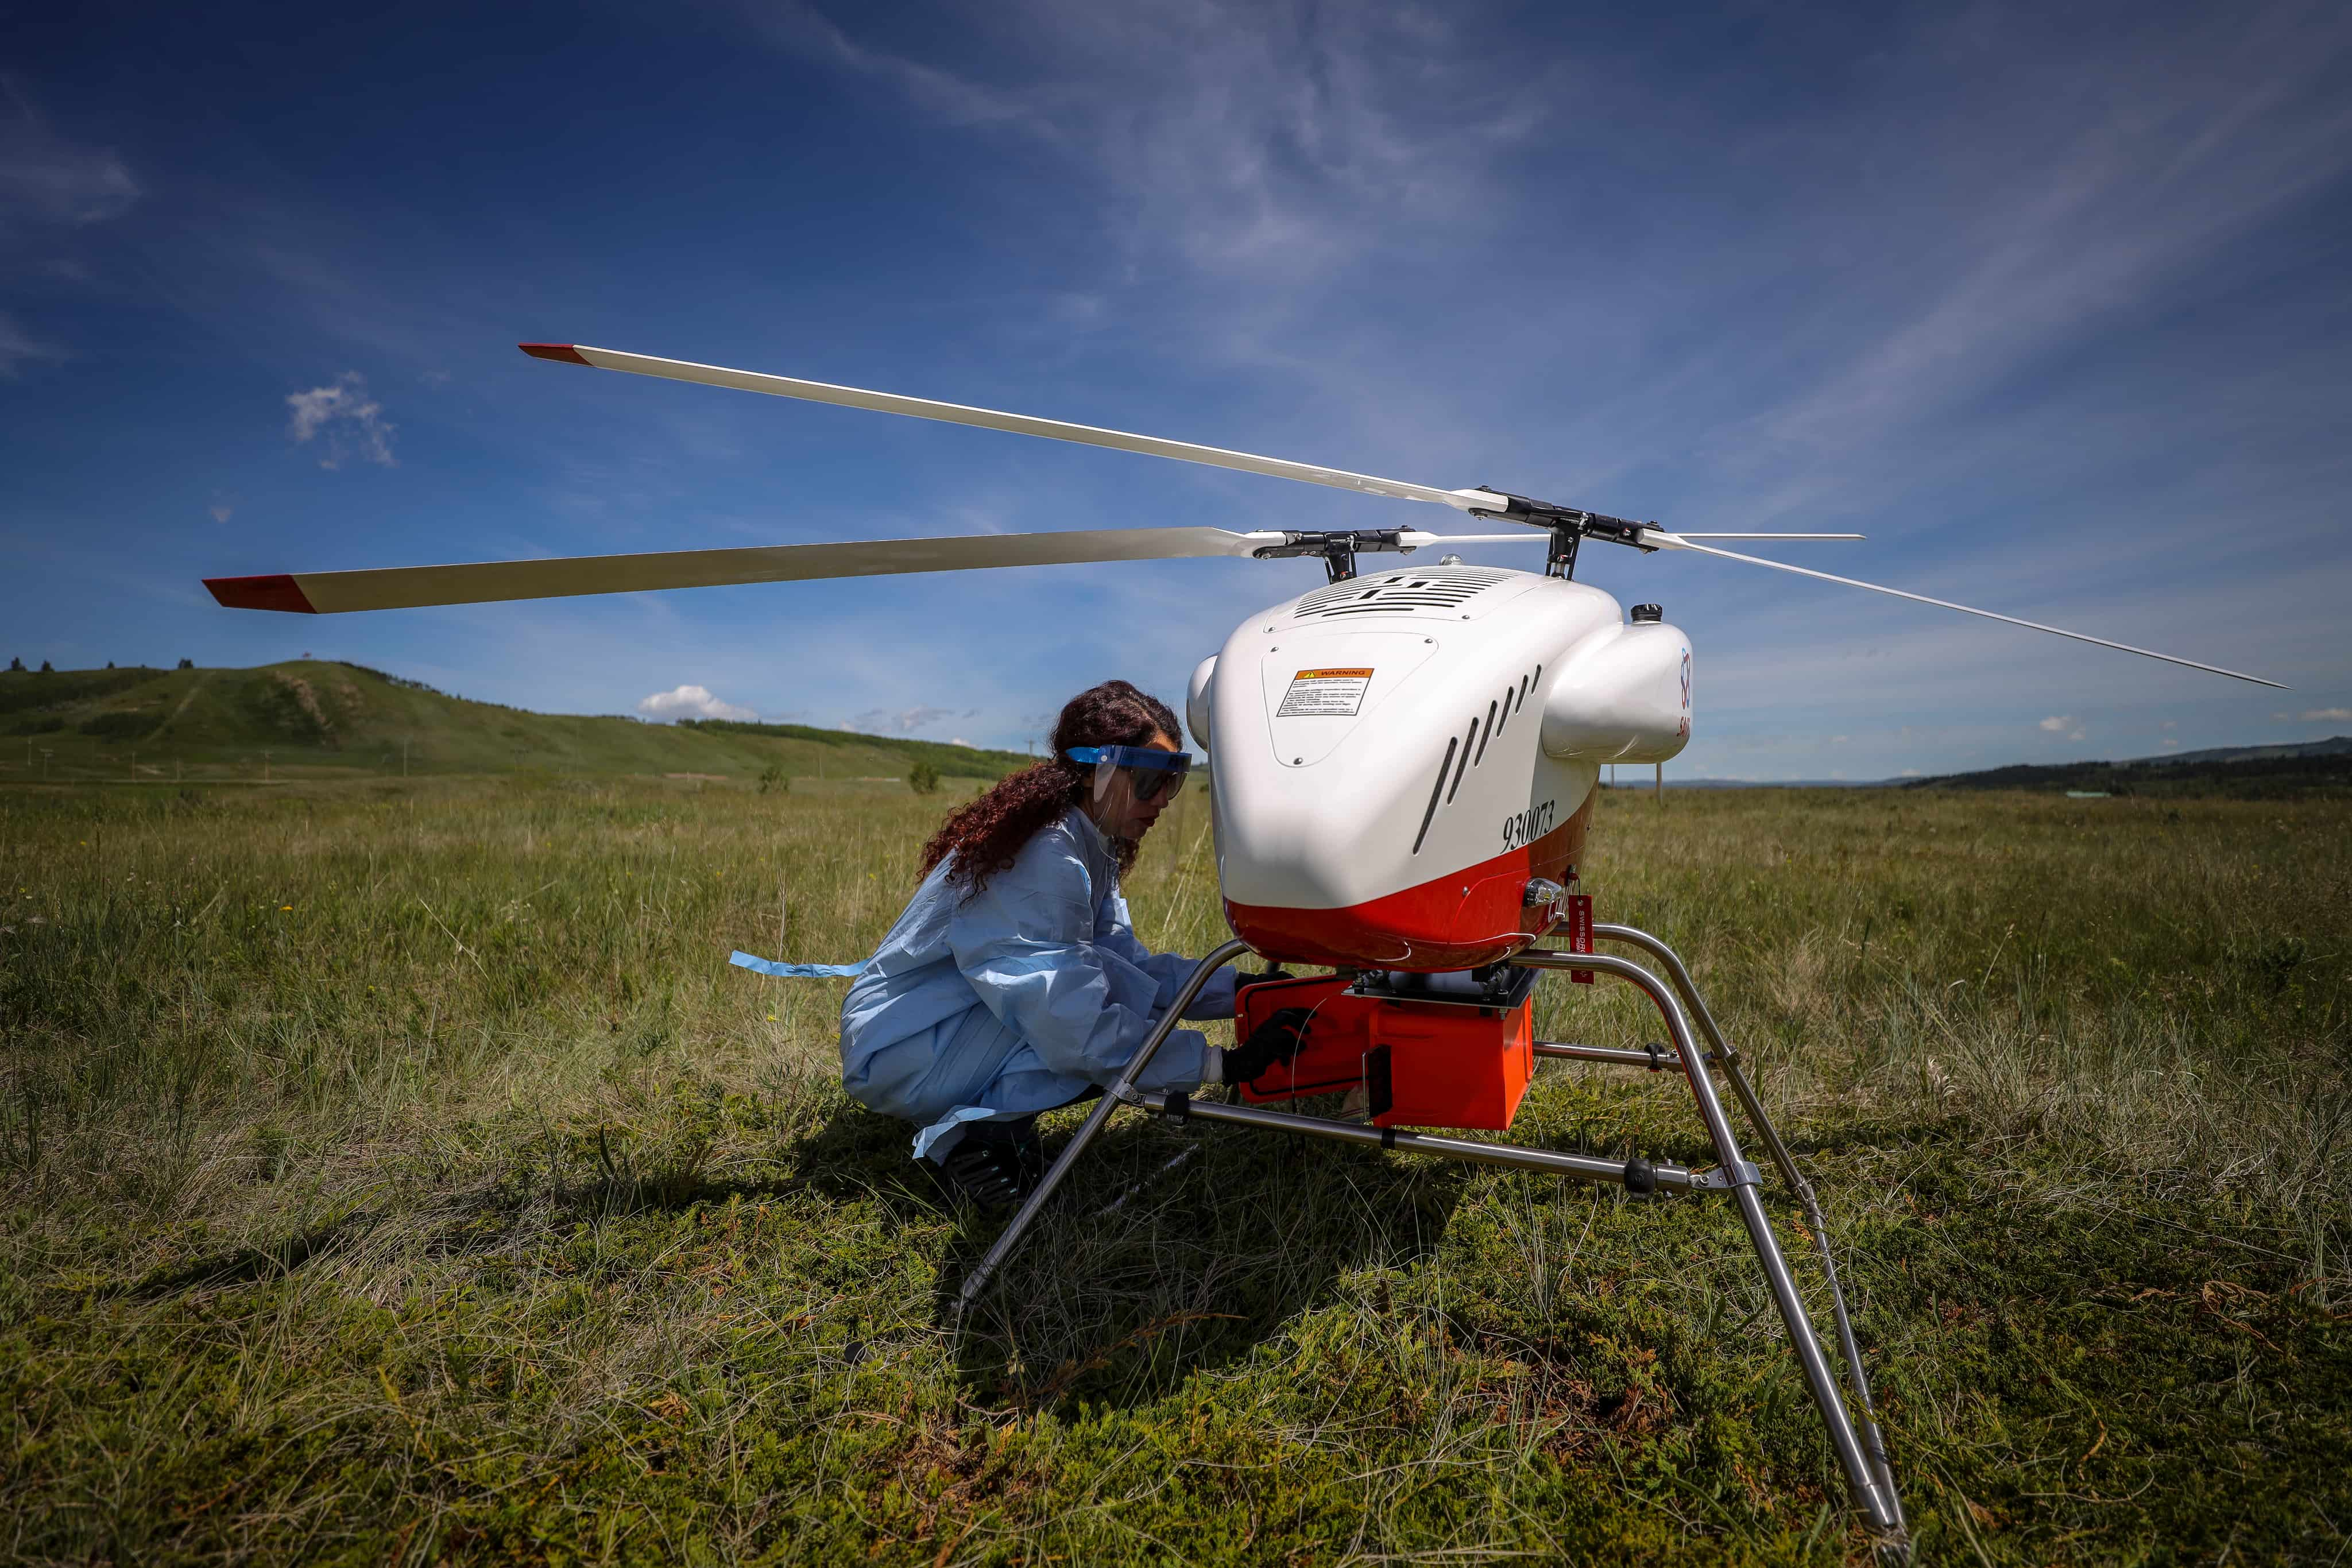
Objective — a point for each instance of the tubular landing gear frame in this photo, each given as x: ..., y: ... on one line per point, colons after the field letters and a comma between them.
x: 1853, y: 1433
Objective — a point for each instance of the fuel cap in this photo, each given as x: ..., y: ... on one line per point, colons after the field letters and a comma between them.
x: 1648, y: 614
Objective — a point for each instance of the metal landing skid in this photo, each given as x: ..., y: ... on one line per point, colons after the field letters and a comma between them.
x: 1854, y: 1434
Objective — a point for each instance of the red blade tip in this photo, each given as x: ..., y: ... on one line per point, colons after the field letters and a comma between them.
x: 564, y: 352
x: 276, y: 591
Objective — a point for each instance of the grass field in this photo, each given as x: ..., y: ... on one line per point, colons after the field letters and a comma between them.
x: 397, y: 1172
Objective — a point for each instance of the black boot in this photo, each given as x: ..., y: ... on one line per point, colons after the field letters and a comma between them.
x: 995, y: 1164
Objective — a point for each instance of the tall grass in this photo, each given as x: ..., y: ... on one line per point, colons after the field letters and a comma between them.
x: 393, y: 1172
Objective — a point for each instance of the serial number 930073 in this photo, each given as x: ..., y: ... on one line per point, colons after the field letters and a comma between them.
x: 1523, y: 828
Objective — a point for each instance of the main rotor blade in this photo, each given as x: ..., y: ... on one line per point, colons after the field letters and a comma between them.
x: 407, y: 587
x: 1535, y: 536
x: 1682, y: 541
x: 990, y: 419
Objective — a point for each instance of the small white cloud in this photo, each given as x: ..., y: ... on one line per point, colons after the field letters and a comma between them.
x: 220, y: 511
x: 2057, y: 723
x: 691, y: 701
x: 1837, y: 741
x: 959, y: 740
x: 2073, y: 734
x: 2170, y: 724
x: 2172, y: 745
x: 2326, y: 715
x: 1910, y: 773
x: 351, y: 422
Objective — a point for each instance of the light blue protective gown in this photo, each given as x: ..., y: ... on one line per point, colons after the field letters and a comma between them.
x: 1015, y: 1000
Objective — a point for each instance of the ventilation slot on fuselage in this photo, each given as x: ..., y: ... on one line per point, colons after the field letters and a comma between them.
x: 1463, y: 766
x: 1398, y: 594
x: 1499, y: 713
x: 1434, y: 791
x: 1472, y: 750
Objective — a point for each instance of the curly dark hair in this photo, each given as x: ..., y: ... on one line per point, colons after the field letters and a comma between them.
x: 986, y: 834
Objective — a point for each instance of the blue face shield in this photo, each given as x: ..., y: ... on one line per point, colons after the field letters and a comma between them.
x: 1155, y: 775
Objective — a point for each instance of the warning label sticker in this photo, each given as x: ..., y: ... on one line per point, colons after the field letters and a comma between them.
x: 1324, y: 693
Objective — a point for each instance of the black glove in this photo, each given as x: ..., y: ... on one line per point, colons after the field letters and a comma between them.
x: 1276, y: 973
x: 1277, y: 1040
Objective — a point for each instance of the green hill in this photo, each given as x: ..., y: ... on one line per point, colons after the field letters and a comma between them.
x: 317, y: 718
x: 2316, y: 769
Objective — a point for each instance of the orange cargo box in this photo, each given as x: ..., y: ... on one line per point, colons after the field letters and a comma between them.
x: 1422, y: 1063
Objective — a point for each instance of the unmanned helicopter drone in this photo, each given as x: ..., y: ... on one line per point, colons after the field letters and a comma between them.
x: 1404, y: 768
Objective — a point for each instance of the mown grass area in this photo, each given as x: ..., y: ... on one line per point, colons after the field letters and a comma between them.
x: 396, y: 1173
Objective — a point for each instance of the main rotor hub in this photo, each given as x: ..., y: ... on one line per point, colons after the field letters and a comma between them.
x: 1569, y: 526
x: 1339, y: 550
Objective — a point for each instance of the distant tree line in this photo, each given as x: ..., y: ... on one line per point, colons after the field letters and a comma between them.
x: 945, y: 761
x: 16, y: 667
x: 2252, y: 778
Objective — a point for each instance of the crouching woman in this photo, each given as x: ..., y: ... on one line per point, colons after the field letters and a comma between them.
x: 1012, y: 982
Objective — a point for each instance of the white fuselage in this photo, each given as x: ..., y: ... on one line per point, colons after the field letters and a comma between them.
x: 1396, y: 757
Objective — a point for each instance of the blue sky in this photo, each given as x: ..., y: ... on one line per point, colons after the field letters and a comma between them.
x: 2053, y: 307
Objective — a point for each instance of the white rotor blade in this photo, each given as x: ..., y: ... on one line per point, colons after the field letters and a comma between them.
x: 1665, y: 541
x: 1772, y: 536
x: 406, y: 586
x: 990, y: 419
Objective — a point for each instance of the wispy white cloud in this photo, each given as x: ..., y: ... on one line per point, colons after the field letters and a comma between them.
x: 2057, y: 724
x: 933, y: 91
x: 1270, y: 141
x: 2081, y: 185
x: 47, y: 181
x: 19, y: 347
x: 2326, y: 715
x: 691, y: 701
x: 906, y: 721
x: 351, y: 421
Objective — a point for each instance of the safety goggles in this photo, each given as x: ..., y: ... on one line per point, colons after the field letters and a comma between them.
x: 1154, y: 774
